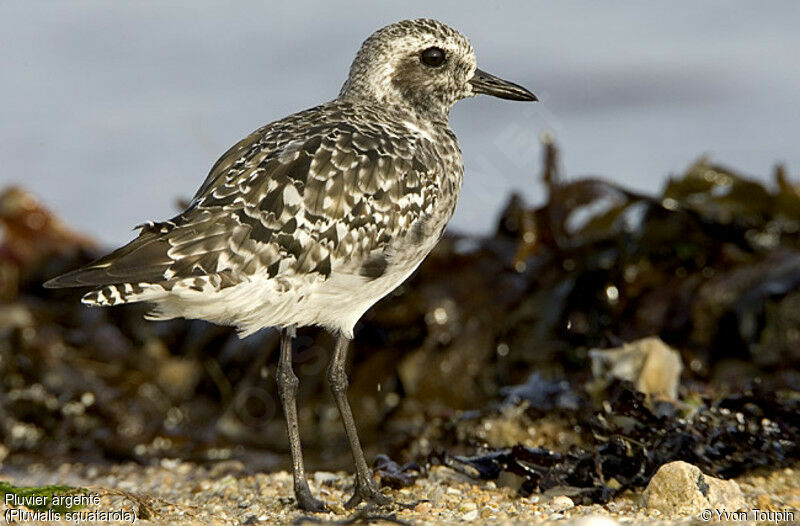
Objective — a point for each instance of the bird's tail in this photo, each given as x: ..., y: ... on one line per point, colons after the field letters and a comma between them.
x: 134, y: 272
x: 110, y: 295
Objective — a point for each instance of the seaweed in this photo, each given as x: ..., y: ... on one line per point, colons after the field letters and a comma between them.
x: 726, y: 437
x: 393, y: 475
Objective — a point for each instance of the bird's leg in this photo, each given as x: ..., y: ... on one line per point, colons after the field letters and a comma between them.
x: 365, y: 489
x: 287, y: 389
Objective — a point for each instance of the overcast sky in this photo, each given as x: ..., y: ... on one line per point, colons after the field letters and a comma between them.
x: 113, y: 110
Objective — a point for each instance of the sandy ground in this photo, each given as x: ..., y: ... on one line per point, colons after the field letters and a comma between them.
x: 176, y: 492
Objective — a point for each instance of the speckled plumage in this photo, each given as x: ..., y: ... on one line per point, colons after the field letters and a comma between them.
x: 313, y: 218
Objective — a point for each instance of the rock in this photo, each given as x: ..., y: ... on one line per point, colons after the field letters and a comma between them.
x: 679, y: 488
x: 649, y: 363
x: 470, y: 516
x: 325, y: 478
x: 220, y: 469
x: 561, y: 503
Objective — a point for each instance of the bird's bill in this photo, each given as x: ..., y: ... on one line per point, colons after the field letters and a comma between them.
x: 487, y: 84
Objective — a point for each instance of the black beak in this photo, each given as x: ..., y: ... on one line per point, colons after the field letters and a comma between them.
x: 487, y: 84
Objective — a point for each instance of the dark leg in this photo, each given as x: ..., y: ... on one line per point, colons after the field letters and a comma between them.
x: 365, y: 489
x: 287, y: 389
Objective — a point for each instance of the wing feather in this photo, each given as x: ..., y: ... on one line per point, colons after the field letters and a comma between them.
x: 274, y: 201
x: 144, y: 259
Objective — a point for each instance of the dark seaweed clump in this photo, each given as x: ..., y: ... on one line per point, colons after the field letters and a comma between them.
x: 631, y: 439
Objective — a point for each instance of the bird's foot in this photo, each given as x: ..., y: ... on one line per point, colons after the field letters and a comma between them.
x: 366, y: 491
x: 307, y: 502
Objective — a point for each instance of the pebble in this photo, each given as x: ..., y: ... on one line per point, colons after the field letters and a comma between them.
x: 423, y: 507
x: 561, y: 503
x: 653, y: 366
x: 170, y: 463
x: 470, y: 516
x: 323, y: 478
x: 679, y: 488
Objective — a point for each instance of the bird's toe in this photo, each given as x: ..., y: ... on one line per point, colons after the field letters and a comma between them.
x: 367, y: 492
x: 307, y: 502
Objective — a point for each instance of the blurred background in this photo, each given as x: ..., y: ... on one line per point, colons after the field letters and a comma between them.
x: 621, y: 280
x: 112, y: 110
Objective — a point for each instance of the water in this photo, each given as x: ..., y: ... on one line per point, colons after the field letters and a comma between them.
x: 112, y: 111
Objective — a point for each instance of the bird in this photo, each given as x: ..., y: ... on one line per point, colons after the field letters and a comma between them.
x: 312, y: 219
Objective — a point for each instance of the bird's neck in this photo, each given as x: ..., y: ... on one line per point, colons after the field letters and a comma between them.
x: 426, y: 109
x: 406, y: 112
x: 438, y: 115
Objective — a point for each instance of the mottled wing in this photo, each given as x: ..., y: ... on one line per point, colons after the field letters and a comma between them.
x: 326, y: 202
x: 289, y: 199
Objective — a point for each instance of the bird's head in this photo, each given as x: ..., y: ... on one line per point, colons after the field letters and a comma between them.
x: 425, y: 65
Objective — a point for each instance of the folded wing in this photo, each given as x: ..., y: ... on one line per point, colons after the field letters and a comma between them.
x: 289, y: 199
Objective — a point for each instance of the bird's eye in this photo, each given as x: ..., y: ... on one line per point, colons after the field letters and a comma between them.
x: 432, y: 57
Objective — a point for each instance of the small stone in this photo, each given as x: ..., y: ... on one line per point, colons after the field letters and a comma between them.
x: 649, y: 363
x: 423, y: 507
x: 225, y: 468
x: 325, y: 478
x: 470, y: 516
x: 679, y: 488
x: 282, y: 476
x: 561, y: 503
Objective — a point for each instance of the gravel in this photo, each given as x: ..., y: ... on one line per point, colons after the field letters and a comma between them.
x: 176, y: 492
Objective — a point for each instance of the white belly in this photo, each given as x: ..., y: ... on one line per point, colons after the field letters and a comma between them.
x: 336, y: 303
